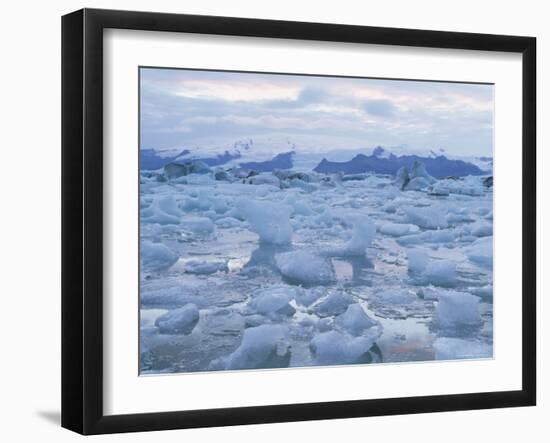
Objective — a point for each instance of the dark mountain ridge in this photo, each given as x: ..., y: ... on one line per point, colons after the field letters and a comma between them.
x: 437, y: 166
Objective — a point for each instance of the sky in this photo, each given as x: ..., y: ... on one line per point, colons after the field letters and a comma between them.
x: 213, y: 110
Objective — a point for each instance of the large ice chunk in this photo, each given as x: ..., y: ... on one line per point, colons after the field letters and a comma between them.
x: 482, y: 229
x: 271, y: 221
x: 264, y: 346
x: 429, y: 217
x: 336, y: 303
x: 480, y: 252
x: 441, y: 273
x: 417, y: 184
x: 335, y: 347
x: 457, y: 309
x: 417, y: 261
x: 364, y: 231
x: 304, y: 267
x: 397, y: 229
x: 402, y: 177
x: 307, y: 296
x: 179, y: 321
x: 162, y: 212
x: 355, y: 320
x: 418, y: 170
x: 273, y: 300
x: 156, y: 256
x: 168, y: 205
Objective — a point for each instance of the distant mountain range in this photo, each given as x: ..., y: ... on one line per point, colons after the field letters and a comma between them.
x: 380, y: 161
x: 436, y: 165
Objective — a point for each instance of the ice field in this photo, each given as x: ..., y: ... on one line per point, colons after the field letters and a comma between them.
x: 293, y: 268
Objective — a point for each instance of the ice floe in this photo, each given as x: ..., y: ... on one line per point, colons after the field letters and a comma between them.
x: 457, y: 309
x: 271, y: 221
x: 264, y: 346
x: 178, y: 321
x: 335, y: 303
x: 304, y: 267
x: 480, y: 252
x: 355, y: 320
x: 335, y: 347
x: 156, y: 256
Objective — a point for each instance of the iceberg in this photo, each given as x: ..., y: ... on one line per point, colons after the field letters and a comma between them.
x: 363, y: 233
x: 397, y: 229
x: 402, y: 177
x: 178, y: 321
x: 417, y: 184
x: 431, y: 217
x: 457, y: 309
x: 335, y: 347
x: 355, y: 320
x: 271, y: 221
x: 304, y: 267
x: 274, y: 300
x: 480, y: 252
x: 264, y: 346
x: 417, y: 261
x: 176, y: 169
x: 156, y: 256
x: 441, y: 273
x: 335, y: 303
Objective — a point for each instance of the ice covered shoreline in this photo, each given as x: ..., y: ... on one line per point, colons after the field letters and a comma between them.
x: 244, y: 270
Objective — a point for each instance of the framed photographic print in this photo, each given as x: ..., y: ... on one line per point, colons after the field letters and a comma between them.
x: 269, y: 221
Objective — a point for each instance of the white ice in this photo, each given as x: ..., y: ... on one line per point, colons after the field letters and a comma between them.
x: 273, y: 300
x: 441, y: 273
x: 178, y: 321
x: 264, y: 346
x: 335, y: 303
x: 431, y: 217
x: 156, y: 256
x: 355, y: 320
x: 335, y: 347
x: 271, y: 221
x: 417, y: 261
x: 397, y: 229
x: 304, y: 267
x: 480, y: 252
x: 456, y: 309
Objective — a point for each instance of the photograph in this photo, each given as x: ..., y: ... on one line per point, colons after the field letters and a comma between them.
x: 290, y: 220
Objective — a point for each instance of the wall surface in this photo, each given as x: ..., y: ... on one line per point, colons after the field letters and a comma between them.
x: 30, y: 220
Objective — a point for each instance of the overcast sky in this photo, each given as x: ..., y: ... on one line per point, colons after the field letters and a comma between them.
x: 189, y: 109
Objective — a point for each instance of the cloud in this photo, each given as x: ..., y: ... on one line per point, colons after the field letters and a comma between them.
x: 380, y: 108
x: 182, y: 108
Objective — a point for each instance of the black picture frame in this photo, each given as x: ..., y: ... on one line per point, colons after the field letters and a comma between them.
x: 82, y: 218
